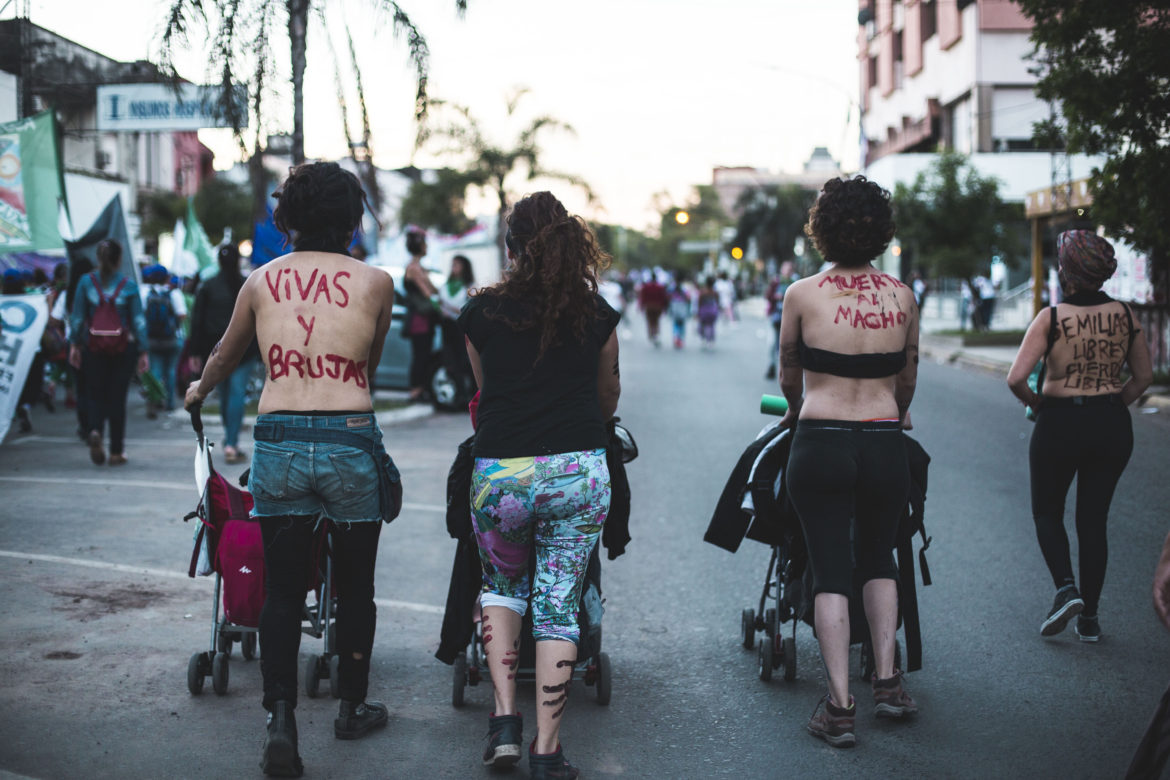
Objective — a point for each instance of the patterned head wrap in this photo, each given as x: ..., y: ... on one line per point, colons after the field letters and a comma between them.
x: 1086, y: 259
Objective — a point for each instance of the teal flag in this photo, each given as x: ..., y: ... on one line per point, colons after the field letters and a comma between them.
x: 31, y: 185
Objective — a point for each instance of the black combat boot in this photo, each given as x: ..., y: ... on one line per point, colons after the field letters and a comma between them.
x: 281, y: 758
x: 358, y: 718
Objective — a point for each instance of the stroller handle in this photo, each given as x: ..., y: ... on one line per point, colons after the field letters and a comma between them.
x: 196, y: 418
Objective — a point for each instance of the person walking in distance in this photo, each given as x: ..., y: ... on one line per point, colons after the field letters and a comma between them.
x: 108, y: 330
x: 421, y: 314
x: 652, y: 299
x: 214, y: 303
x: 849, y: 340
x: 321, y: 319
x: 545, y: 353
x: 1083, y: 427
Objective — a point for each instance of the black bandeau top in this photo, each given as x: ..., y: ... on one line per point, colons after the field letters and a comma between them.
x: 867, y: 365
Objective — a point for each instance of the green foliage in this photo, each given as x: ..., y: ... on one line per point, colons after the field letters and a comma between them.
x: 222, y: 204
x: 159, y: 212
x: 706, y: 219
x: 1108, y: 66
x: 439, y: 205
x: 629, y: 248
x: 952, y: 220
x: 774, y: 216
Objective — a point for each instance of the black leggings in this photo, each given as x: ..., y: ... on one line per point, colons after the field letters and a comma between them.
x: 1092, y: 442
x: 849, y: 482
x: 107, y: 382
x: 421, y: 349
x: 288, y: 562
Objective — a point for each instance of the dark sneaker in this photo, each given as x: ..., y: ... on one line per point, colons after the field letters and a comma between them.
x: 833, y: 724
x: 1088, y: 628
x: 890, y: 699
x: 504, y: 739
x: 356, y: 719
x: 550, y: 766
x: 1065, y: 607
x: 280, y: 757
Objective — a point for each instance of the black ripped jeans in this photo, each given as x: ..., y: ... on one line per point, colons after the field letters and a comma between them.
x: 1092, y: 443
x: 289, y: 566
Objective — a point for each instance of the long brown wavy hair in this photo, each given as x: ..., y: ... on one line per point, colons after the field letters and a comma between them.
x: 555, y: 263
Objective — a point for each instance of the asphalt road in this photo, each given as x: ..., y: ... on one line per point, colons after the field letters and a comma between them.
x: 98, y: 620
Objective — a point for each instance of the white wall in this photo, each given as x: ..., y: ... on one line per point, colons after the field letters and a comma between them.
x: 1014, y: 110
x: 9, y: 102
x: 1002, y: 57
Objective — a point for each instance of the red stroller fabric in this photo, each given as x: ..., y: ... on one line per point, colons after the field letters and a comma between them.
x: 236, y: 547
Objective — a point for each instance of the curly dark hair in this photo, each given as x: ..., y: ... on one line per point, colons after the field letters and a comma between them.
x: 319, y: 207
x: 556, y: 261
x: 852, y: 221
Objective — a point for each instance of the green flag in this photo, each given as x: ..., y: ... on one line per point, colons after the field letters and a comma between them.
x: 31, y: 187
x: 196, y: 244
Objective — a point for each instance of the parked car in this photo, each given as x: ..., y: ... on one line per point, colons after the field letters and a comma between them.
x: 394, y: 368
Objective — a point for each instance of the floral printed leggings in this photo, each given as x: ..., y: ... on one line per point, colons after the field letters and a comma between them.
x: 557, y: 503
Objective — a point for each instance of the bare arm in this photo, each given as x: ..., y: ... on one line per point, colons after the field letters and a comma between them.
x: 907, y: 379
x: 226, y: 355
x: 419, y: 275
x: 1031, y: 350
x: 383, y: 325
x: 609, y: 384
x: 1141, y: 372
x: 1162, y: 585
x: 791, y: 371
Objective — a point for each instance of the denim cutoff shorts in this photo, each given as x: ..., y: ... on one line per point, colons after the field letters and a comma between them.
x: 308, y: 478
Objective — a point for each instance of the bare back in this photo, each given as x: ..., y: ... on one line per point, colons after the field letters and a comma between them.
x: 321, y: 320
x: 850, y: 311
x: 1090, y: 348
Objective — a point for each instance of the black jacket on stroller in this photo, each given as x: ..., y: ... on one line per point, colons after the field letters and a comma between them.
x: 754, y: 504
x: 466, y: 570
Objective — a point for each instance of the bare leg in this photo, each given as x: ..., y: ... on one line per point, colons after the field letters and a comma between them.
x: 501, y: 645
x: 554, y: 670
x: 881, y: 610
x: 832, y: 623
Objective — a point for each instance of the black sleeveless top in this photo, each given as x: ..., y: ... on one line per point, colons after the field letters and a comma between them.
x: 867, y: 365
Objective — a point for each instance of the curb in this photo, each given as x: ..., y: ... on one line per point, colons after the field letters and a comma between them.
x: 946, y: 353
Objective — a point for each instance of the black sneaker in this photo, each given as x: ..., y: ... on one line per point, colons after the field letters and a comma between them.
x: 505, y: 735
x: 550, y: 766
x: 356, y: 719
x: 1088, y: 628
x: 1065, y: 607
x: 280, y: 757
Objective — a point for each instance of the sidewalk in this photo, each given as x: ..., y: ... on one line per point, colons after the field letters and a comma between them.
x: 997, y: 360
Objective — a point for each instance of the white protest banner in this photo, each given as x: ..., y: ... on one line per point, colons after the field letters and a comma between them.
x: 24, y: 318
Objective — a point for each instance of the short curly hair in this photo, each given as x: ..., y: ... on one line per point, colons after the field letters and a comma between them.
x: 852, y: 221
x: 319, y: 206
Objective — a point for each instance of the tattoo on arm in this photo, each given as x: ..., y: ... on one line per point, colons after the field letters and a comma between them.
x: 616, y: 371
x: 215, y: 350
x: 912, y: 353
x: 790, y: 356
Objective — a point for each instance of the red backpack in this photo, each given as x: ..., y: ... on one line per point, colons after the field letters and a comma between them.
x: 107, y: 333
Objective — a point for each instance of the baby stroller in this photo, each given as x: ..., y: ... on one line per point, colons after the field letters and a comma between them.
x: 592, y: 668
x: 755, y: 505
x: 228, y: 544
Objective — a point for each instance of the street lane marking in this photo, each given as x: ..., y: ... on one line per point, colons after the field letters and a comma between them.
x: 124, y: 568
x: 152, y: 483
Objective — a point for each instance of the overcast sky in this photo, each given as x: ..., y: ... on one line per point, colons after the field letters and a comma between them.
x: 659, y: 91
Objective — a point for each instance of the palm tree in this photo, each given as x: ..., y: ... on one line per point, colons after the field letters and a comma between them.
x: 774, y: 216
x: 491, y: 164
x: 242, y: 37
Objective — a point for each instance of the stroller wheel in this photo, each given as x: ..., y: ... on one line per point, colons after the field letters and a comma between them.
x: 223, y: 641
x: 335, y: 676
x: 747, y: 628
x: 458, y: 680
x: 789, y: 659
x: 312, y: 674
x: 219, y: 673
x: 195, y: 674
x: 765, y: 661
x: 248, y: 645
x: 604, y: 678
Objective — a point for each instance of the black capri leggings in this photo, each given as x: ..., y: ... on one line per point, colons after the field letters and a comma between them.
x: 849, y: 483
x: 1092, y: 442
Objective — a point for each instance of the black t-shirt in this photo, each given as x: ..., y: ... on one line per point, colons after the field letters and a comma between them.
x: 529, y: 407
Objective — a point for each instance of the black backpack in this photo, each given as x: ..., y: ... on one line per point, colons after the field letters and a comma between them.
x: 161, y: 320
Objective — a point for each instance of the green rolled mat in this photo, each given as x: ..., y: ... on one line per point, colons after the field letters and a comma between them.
x: 773, y: 404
